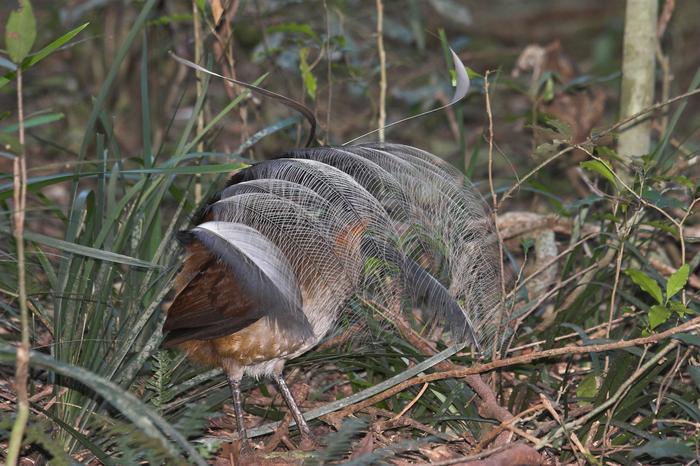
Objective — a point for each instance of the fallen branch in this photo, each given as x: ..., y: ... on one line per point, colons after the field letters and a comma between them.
x: 526, y: 358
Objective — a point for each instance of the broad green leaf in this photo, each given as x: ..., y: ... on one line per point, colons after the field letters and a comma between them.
x: 602, y: 168
x: 306, y: 74
x: 43, y: 53
x: 646, y: 283
x: 658, y: 315
x: 664, y: 448
x: 661, y: 201
x: 677, y: 281
x: 587, y: 389
x: 688, y: 339
x: 20, y: 32
x: 679, y: 308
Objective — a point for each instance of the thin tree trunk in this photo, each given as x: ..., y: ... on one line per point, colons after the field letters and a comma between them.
x: 638, y: 64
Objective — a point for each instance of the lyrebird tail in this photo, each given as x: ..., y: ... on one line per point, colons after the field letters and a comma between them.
x: 390, y: 224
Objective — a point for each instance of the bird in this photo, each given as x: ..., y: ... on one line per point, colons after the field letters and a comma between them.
x: 278, y: 259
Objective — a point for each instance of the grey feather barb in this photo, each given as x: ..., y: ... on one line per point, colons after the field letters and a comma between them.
x: 328, y: 239
x: 388, y: 224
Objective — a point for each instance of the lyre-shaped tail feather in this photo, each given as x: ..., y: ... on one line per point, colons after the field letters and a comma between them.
x: 428, y: 291
x: 378, y: 222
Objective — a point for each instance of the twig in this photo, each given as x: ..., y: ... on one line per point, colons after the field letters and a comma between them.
x: 494, y: 199
x: 594, y: 138
x: 620, y: 392
x: 522, y: 359
x: 329, y: 75
x: 22, y: 365
x: 411, y: 403
x: 200, y: 118
x: 665, y: 17
x: 546, y: 265
x: 382, y: 69
x: 613, y: 295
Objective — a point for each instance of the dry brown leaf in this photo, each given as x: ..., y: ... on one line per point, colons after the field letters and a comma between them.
x: 363, y: 447
x: 217, y: 10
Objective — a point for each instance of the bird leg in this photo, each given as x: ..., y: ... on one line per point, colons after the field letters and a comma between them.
x: 306, y: 436
x: 235, y: 384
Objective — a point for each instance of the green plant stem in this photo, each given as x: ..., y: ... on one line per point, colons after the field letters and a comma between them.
x: 22, y: 366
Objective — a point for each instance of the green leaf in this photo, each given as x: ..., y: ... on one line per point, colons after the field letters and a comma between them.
x: 658, y: 315
x: 679, y: 308
x: 10, y: 143
x: 694, y: 372
x: 677, y: 281
x: 548, y: 92
x: 661, y: 201
x: 140, y: 415
x: 87, y: 250
x: 43, y: 53
x: 664, y: 448
x: 602, y: 168
x: 20, y: 32
x: 296, y: 28
x: 587, y: 389
x: 306, y: 75
x: 34, y: 121
x: 688, y: 339
x: 646, y: 283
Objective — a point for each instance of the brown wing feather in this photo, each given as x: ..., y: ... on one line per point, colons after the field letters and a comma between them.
x: 209, y: 303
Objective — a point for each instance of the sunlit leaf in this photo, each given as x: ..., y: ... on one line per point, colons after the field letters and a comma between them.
x: 677, y: 281
x: 548, y: 91
x: 679, y: 308
x: 602, y: 168
x: 658, y: 315
x: 587, y: 389
x: 306, y: 74
x: 646, y: 283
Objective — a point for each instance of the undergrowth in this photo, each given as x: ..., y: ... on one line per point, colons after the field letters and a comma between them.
x: 616, y: 264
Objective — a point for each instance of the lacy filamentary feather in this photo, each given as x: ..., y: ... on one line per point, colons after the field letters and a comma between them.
x: 277, y: 259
